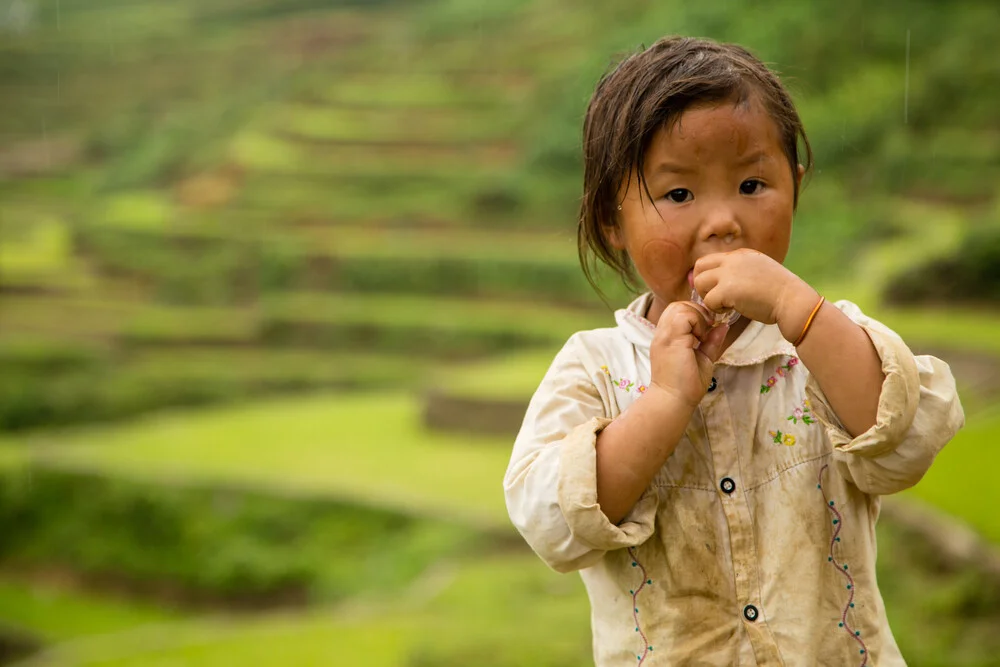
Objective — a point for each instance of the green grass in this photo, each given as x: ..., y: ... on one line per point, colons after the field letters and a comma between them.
x: 56, y: 613
x: 62, y: 317
x: 961, y: 328
x: 468, y: 315
x: 544, y: 247
x: 512, y: 377
x: 293, y: 198
x: 273, y: 154
x: 269, y: 367
x: 163, y: 324
x: 12, y: 457
x: 458, y: 614
x: 89, y: 317
x: 366, y: 447
x: 392, y: 125
x: 427, y: 89
x: 143, y: 210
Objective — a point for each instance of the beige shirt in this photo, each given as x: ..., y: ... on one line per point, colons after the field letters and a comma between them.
x: 755, y: 543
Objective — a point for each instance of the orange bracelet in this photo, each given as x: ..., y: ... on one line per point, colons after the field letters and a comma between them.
x: 809, y: 322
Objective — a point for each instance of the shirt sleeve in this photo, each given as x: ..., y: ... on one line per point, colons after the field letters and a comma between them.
x: 918, y: 413
x: 551, y: 482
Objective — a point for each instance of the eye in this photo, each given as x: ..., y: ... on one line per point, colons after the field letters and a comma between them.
x: 752, y: 186
x: 680, y: 195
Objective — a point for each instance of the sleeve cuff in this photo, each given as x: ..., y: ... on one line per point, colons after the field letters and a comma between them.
x: 897, y: 403
x: 578, y: 496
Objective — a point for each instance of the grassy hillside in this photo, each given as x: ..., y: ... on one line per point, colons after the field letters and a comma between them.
x: 176, y: 178
x: 366, y: 205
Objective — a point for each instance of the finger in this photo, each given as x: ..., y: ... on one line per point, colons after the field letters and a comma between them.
x: 685, y: 319
x: 709, y: 262
x: 711, y: 343
x: 718, y: 299
x: 705, y: 281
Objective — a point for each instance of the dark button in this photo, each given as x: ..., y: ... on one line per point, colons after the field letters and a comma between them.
x: 727, y: 485
x: 750, y: 613
x: 713, y: 385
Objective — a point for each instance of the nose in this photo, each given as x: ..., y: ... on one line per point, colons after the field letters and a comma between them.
x: 720, y: 225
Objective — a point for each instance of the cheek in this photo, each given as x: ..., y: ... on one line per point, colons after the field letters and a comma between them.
x: 661, y: 264
x: 775, y: 239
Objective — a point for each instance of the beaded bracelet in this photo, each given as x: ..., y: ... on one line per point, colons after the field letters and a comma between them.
x: 809, y: 322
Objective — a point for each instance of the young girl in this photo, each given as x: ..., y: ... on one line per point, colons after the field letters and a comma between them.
x: 713, y: 464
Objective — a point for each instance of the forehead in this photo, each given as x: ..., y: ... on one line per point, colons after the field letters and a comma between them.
x: 718, y: 132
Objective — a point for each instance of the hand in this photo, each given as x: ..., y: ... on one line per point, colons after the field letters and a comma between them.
x: 684, y: 350
x: 757, y: 287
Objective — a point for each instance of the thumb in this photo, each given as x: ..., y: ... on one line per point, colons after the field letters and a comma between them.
x: 711, y: 344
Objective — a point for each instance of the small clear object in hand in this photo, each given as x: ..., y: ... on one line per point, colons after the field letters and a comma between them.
x: 727, y: 317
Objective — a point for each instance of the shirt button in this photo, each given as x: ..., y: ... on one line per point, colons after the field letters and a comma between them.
x: 727, y: 485
x: 712, y: 385
x: 750, y: 613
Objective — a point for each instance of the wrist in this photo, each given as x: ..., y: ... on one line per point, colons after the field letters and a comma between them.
x: 796, y: 308
x: 669, y: 401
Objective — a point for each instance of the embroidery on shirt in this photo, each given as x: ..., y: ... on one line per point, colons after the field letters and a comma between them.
x: 780, y: 438
x: 779, y: 372
x: 646, y: 648
x: 842, y: 568
x: 624, y: 383
x: 802, y: 414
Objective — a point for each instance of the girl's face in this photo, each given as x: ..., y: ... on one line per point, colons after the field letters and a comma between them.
x: 719, y: 181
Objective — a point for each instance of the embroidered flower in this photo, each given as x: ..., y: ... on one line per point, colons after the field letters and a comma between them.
x: 802, y: 414
x: 781, y: 371
x: 623, y: 383
x: 786, y: 439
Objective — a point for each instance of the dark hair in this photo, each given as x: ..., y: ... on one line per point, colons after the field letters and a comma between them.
x: 648, y: 90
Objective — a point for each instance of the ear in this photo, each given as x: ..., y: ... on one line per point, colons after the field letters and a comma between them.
x: 614, y: 236
x: 801, y: 172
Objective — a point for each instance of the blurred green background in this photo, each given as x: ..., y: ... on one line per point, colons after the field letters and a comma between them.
x: 277, y: 278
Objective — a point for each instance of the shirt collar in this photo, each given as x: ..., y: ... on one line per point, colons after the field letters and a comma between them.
x: 758, y: 342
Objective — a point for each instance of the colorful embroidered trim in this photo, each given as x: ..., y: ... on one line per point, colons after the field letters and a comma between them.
x: 842, y: 568
x: 646, y: 648
x: 624, y: 383
x: 779, y: 372
x: 802, y: 414
x: 780, y: 438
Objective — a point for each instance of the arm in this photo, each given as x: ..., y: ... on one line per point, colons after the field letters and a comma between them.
x: 838, y: 353
x: 632, y: 448
x: 635, y: 446
x: 836, y: 350
x: 550, y: 486
x: 918, y: 413
x: 886, y: 412
x: 578, y: 483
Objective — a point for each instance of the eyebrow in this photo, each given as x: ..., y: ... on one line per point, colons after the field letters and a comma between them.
x: 672, y: 168
x: 756, y: 156
x: 667, y: 167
